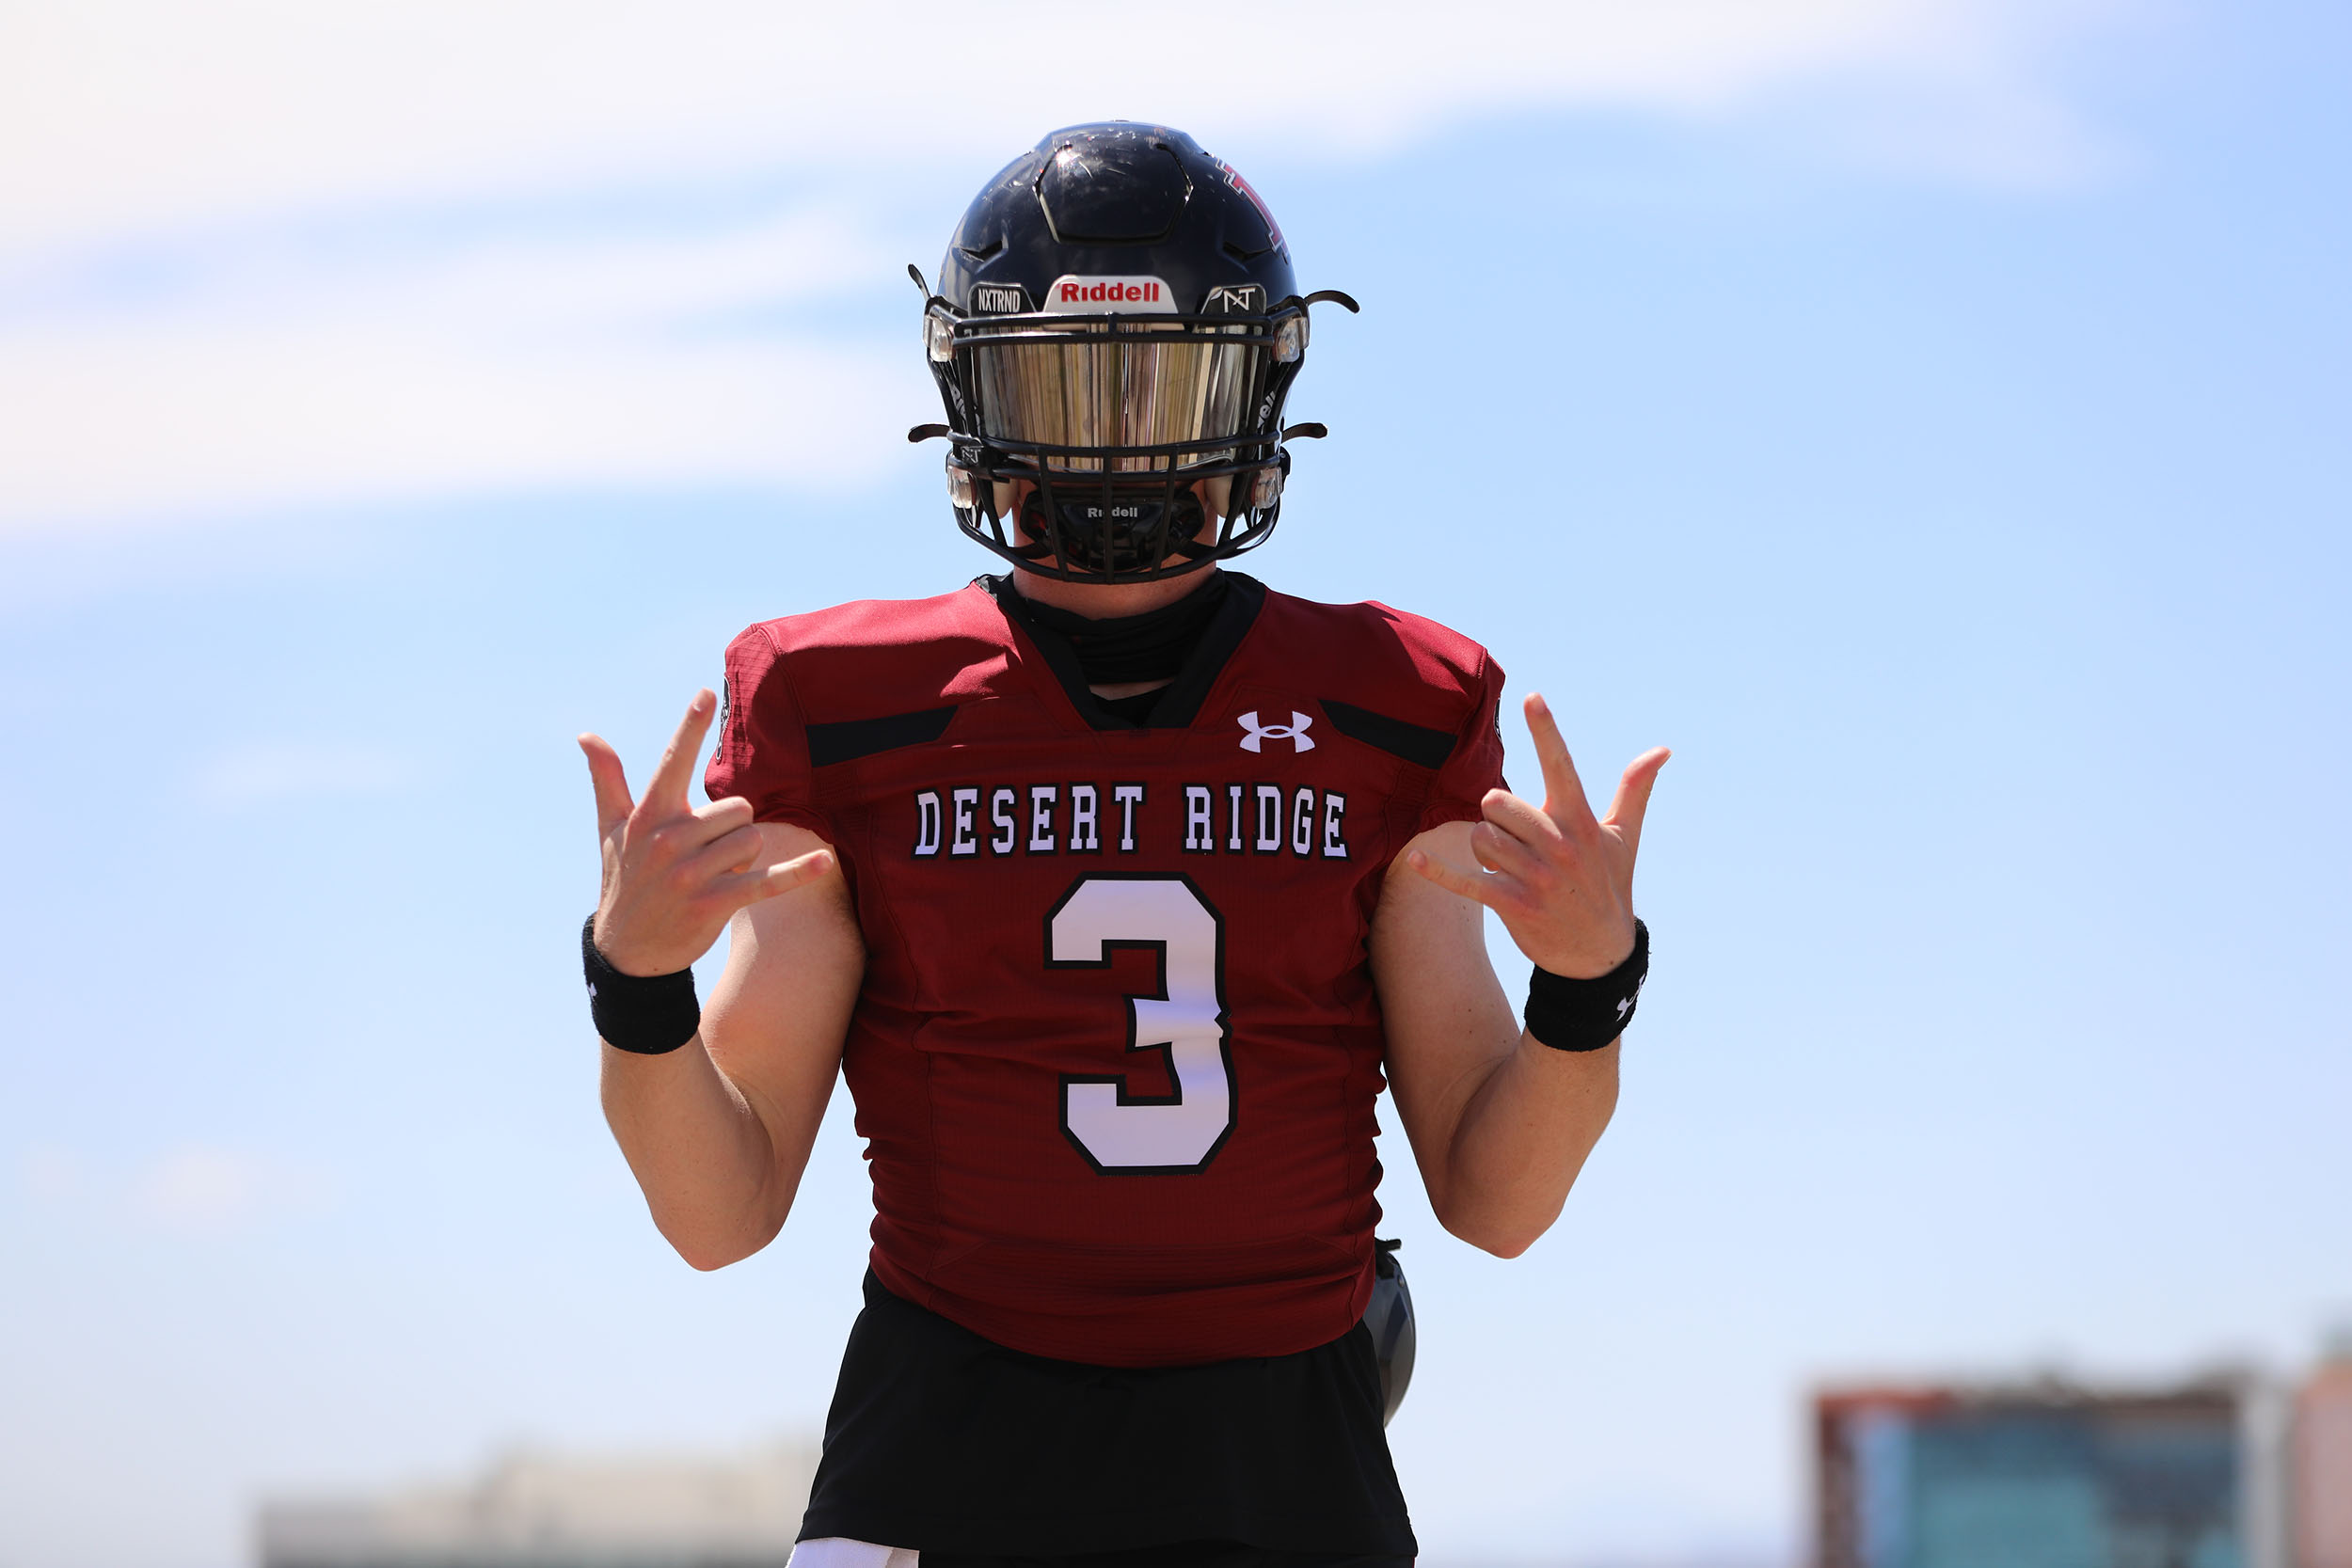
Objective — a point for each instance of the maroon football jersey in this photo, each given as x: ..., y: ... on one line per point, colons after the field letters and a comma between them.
x: 1117, y: 1051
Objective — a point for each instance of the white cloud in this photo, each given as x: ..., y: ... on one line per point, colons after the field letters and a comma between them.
x: 274, y: 368
x: 194, y: 1187
x: 202, y: 1188
x: 279, y: 770
x: 286, y: 375
x: 134, y: 116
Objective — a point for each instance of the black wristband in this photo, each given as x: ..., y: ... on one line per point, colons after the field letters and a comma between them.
x: 1585, y: 1015
x: 645, y: 1014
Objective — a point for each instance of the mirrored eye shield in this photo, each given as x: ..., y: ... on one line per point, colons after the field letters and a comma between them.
x: 1255, y: 359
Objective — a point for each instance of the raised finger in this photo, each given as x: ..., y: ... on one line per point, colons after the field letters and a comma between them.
x: 1564, y: 792
x: 669, y: 780
x: 609, y: 781
x: 1631, y: 804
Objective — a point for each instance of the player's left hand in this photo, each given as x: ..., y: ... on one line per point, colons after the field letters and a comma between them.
x: 1561, y: 879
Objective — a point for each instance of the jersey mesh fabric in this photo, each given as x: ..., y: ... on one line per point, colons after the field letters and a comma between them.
x: 1117, y: 1051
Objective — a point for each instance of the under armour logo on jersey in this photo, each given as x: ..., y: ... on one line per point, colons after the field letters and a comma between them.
x: 1294, y: 732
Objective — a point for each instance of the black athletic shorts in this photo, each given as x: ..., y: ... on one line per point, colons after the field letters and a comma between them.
x: 982, y: 1457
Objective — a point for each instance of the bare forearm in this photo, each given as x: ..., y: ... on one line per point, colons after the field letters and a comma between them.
x: 1522, y: 1137
x: 1501, y: 1123
x: 699, y: 1153
x: 718, y: 1132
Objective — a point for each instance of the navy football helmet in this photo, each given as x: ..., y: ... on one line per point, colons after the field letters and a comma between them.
x: 1114, y: 332
x: 1390, y: 1319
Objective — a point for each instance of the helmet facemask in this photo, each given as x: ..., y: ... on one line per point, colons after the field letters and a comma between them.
x: 1116, y: 447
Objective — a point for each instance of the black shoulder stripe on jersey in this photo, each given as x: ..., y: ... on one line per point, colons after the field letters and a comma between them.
x: 1415, y: 743
x: 850, y: 738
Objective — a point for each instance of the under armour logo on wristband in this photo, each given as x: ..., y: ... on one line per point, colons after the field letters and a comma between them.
x: 1294, y: 732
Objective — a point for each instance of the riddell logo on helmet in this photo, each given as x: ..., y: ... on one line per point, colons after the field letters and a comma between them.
x: 1112, y: 290
x: 1074, y: 295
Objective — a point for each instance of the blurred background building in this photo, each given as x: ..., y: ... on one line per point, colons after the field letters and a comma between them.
x: 539, y: 1511
x: 2224, y: 1472
x: 2040, y: 1477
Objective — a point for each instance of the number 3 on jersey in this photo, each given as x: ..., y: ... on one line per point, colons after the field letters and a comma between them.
x: 1136, y: 1134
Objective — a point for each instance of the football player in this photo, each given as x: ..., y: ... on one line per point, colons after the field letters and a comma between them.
x: 1117, y: 886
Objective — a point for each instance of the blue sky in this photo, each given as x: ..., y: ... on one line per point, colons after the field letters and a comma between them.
x: 1949, y: 463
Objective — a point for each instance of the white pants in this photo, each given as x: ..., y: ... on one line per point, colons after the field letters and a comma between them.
x: 839, y: 1551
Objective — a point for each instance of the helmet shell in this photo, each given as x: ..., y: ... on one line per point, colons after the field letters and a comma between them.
x: 1389, y: 1317
x: 1114, y: 333
x: 1117, y: 198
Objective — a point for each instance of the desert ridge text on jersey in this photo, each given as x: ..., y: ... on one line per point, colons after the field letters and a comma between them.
x: 1248, y: 817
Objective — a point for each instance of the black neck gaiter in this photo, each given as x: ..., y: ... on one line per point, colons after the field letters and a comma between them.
x: 1151, y: 646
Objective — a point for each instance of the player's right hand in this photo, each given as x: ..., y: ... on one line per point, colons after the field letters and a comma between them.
x: 674, y: 875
